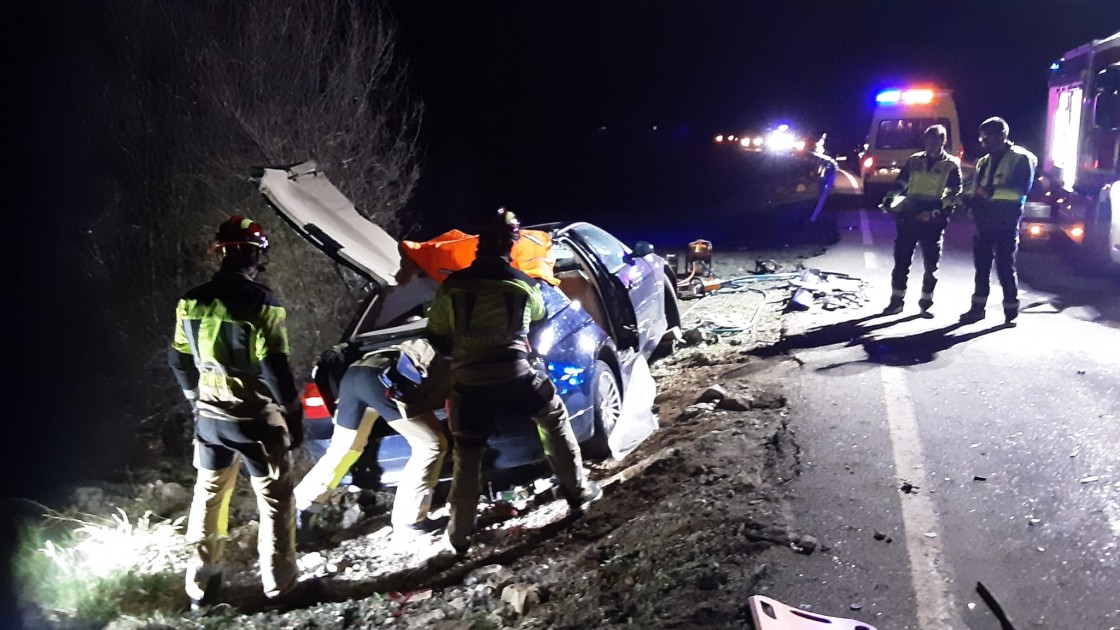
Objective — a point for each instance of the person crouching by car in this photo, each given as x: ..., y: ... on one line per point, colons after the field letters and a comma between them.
x: 405, y: 384
x: 481, y: 316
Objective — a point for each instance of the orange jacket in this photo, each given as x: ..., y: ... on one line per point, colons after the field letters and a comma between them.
x: 455, y: 250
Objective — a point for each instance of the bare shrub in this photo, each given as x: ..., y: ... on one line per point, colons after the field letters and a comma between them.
x: 196, y: 94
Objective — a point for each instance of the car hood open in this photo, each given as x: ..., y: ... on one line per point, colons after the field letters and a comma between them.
x: 325, y: 217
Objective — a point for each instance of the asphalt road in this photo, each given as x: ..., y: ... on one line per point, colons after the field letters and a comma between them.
x: 1007, y: 435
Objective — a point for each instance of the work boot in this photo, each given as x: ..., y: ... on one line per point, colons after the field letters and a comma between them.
x: 974, y: 314
x: 925, y: 304
x: 307, y: 533
x: 894, y: 307
x: 460, y: 547
x: 590, y: 493
x: 302, y: 595
x: 209, y: 594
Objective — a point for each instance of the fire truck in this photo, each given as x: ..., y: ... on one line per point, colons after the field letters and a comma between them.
x: 1077, y: 192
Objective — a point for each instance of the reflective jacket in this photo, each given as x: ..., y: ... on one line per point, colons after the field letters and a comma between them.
x: 1011, y: 177
x: 481, y: 314
x: 931, y: 180
x: 230, y: 349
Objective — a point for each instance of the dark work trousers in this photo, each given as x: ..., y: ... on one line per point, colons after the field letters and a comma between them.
x: 998, y: 242
x: 912, y: 233
x: 473, y: 409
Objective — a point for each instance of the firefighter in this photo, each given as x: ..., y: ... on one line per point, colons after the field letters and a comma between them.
x: 931, y: 182
x: 404, y: 384
x: 1003, y: 178
x: 230, y: 356
x: 481, y: 317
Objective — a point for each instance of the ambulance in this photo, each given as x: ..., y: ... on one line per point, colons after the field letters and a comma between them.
x: 901, y: 115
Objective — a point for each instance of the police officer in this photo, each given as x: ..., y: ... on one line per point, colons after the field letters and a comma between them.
x: 405, y: 384
x: 1003, y: 178
x: 481, y: 316
x: 931, y: 181
x: 230, y: 356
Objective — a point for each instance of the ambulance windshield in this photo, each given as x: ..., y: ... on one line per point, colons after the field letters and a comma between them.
x: 906, y: 133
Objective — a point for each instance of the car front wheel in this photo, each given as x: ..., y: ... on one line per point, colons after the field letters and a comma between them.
x: 607, y: 397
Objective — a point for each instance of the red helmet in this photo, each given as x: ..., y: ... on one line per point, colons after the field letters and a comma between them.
x: 239, y: 231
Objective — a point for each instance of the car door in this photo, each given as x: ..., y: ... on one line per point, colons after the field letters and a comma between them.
x: 628, y: 283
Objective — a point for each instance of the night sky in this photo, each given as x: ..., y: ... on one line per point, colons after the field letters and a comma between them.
x: 518, y: 93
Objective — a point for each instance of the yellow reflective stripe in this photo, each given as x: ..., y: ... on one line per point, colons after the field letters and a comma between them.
x: 273, y: 337
x: 927, y: 184
x: 1008, y: 194
x: 358, y: 439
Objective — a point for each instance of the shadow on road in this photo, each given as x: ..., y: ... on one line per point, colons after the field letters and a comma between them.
x: 1088, y: 294
x: 848, y: 332
x: 913, y: 349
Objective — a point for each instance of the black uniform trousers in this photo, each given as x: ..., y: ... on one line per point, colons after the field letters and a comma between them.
x: 912, y: 233
x: 996, y: 239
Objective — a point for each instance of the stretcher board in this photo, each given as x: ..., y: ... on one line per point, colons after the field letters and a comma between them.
x: 770, y: 614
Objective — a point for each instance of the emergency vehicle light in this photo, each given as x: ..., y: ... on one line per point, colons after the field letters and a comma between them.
x: 890, y: 97
x: 906, y: 97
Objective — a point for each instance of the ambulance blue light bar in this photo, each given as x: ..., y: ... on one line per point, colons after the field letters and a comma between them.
x: 889, y: 97
x: 906, y: 97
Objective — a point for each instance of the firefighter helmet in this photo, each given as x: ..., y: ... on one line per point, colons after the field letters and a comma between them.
x: 499, y: 235
x: 238, y: 231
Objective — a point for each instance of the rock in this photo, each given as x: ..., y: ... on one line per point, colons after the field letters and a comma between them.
x: 692, y: 411
x: 735, y: 403
x: 311, y: 561
x: 169, y: 498
x: 492, y: 574
x: 715, y: 393
x: 352, y: 516
x: 697, y: 336
x: 89, y: 500
x: 879, y: 535
x: 521, y: 596
x: 805, y: 545
x: 661, y: 397
x: 768, y: 400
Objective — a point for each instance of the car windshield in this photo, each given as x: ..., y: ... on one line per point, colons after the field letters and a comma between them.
x: 608, y: 249
x: 906, y: 133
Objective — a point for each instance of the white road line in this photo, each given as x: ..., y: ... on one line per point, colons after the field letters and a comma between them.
x: 929, y: 572
x: 852, y: 181
x: 865, y: 228
x: 869, y: 259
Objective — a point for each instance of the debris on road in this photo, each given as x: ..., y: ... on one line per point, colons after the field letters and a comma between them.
x: 1090, y: 479
x: 997, y: 610
x: 908, y: 488
x: 979, y: 478
x: 830, y: 289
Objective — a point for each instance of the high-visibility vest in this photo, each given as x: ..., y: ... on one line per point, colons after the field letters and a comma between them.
x: 455, y: 250
x: 930, y: 183
x: 1002, y: 188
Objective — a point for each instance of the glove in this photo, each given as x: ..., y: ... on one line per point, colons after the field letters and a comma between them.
x: 293, y: 417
